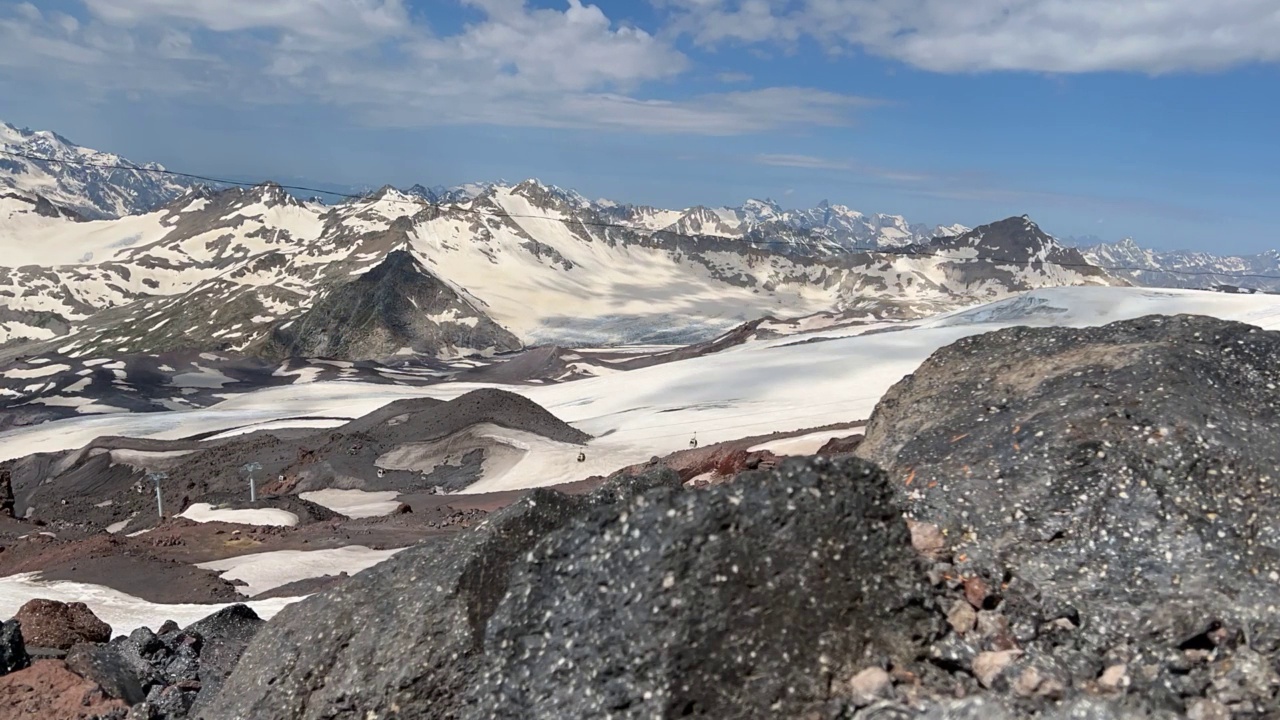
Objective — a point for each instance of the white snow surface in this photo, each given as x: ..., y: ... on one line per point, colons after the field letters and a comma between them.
x: 355, y: 504
x: 204, y: 512
x: 756, y: 389
x: 263, y: 572
x: 124, y: 613
x: 36, y: 372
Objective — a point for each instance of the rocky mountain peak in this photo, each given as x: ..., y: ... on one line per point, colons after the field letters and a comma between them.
x: 91, y: 183
x: 271, y: 193
x: 761, y: 210
x: 397, y: 305
x: 1017, y: 242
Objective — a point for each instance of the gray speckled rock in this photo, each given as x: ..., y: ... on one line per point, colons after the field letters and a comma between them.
x: 103, y: 665
x: 403, y: 639
x: 746, y: 600
x: 224, y: 636
x: 1120, y: 477
x: 13, y: 651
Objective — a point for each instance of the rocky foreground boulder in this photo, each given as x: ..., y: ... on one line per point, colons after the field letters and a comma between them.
x: 752, y: 599
x: 1119, y: 489
x: 640, y: 601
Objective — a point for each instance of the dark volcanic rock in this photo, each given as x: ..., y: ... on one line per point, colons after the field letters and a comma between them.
x: 841, y: 446
x: 743, y: 601
x: 173, y: 670
x: 103, y: 666
x: 53, y: 624
x: 6, y: 492
x: 1116, y: 487
x: 402, y: 639
x: 13, y: 651
x: 224, y: 636
x: 640, y: 600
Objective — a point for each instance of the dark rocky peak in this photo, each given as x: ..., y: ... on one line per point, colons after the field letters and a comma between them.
x: 421, y: 191
x: 387, y: 192
x: 1015, y: 238
x: 398, y: 264
x: 397, y: 304
x: 701, y: 213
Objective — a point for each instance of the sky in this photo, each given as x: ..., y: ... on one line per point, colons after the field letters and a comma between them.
x: 1155, y: 120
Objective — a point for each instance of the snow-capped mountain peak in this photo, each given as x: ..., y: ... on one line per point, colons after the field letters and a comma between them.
x: 92, y: 183
x: 761, y: 211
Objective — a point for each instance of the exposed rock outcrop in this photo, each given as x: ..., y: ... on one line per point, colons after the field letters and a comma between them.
x: 744, y: 600
x: 49, y: 690
x: 396, y: 305
x: 341, y: 654
x: 1115, y: 490
x: 54, y: 624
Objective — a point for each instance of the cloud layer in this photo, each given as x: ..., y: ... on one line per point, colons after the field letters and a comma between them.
x: 515, y: 65
x: 1060, y: 36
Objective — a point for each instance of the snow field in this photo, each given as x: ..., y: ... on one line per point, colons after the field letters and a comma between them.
x: 759, y: 388
x: 263, y: 572
x: 355, y: 504
x: 124, y: 613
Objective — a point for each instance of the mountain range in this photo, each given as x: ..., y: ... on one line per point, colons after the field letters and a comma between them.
x: 126, y: 260
x: 1187, y: 269
x: 90, y: 183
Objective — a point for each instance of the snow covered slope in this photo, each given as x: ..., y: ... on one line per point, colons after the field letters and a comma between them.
x: 114, y: 188
x: 782, y: 384
x: 257, y: 271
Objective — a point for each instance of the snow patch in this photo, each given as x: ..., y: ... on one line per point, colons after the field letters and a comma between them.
x: 355, y: 504
x: 204, y: 512
x: 263, y: 572
x: 124, y: 613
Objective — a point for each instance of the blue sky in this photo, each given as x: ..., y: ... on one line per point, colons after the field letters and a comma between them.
x: 1155, y: 120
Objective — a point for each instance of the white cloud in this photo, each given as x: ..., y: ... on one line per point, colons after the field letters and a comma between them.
x: 810, y: 162
x: 802, y: 161
x: 515, y: 66
x: 1066, y: 36
x: 335, y: 23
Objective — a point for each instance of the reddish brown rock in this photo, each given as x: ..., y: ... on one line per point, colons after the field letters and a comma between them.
x: 927, y: 539
x: 53, y: 624
x: 975, y: 591
x: 841, y: 446
x: 48, y: 689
